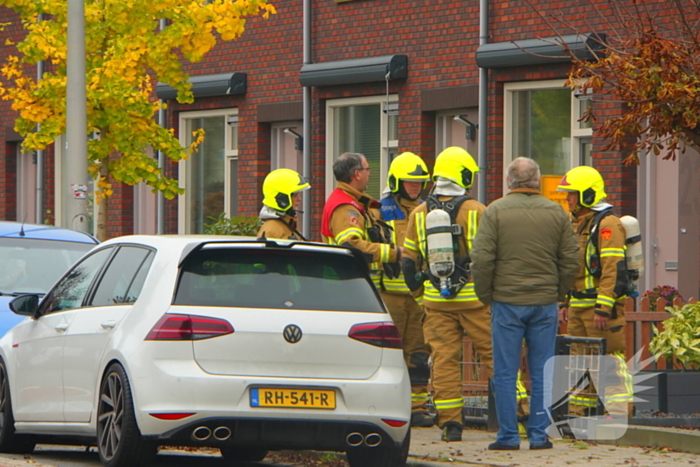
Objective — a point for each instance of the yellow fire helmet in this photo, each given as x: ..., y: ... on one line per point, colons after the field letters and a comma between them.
x: 587, y: 181
x: 456, y: 164
x: 279, y: 186
x: 407, y: 167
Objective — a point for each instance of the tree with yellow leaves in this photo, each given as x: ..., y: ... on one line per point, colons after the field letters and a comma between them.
x: 127, y: 51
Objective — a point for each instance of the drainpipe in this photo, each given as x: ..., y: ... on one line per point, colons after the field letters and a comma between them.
x: 40, y: 153
x: 306, y: 165
x: 483, y: 101
x: 160, y: 201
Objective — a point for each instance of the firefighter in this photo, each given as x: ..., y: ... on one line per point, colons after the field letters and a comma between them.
x: 596, y: 304
x: 350, y: 218
x: 408, y: 175
x: 453, y: 309
x: 282, y: 190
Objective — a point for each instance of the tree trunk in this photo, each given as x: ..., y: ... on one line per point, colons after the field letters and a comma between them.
x: 103, y: 203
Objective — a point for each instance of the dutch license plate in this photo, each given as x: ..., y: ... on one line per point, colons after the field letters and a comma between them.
x: 293, y: 398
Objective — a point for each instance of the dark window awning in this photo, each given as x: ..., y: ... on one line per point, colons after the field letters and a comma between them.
x: 223, y: 84
x: 543, y: 51
x: 362, y: 70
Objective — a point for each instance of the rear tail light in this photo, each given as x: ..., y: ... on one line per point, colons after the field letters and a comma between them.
x: 379, y: 334
x: 173, y: 327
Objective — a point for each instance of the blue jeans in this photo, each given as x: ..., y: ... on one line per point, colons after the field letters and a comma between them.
x: 509, y: 325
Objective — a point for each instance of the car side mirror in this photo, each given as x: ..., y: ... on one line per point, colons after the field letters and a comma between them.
x: 25, y: 305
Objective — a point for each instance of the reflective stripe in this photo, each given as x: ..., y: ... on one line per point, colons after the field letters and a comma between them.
x: 627, y: 377
x: 603, y: 300
x: 420, y: 232
x: 410, y: 244
x: 384, y: 253
x: 345, y: 234
x: 449, y: 403
x: 396, y: 285
x: 472, y: 224
x: 420, y: 397
x: 606, y: 252
x: 419, y: 300
x: 466, y: 294
x: 520, y: 391
x: 581, y: 302
x: 588, y: 278
x: 392, y: 224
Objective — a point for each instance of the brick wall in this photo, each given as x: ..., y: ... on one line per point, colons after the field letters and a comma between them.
x: 440, y: 39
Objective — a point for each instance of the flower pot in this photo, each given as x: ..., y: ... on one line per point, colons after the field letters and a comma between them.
x: 670, y: 391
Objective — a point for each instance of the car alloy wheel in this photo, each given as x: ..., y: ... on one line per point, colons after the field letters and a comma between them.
x: 118, y: 437
x: 9, y: 441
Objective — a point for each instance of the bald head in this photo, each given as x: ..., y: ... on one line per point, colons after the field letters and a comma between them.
x: 523, y: 172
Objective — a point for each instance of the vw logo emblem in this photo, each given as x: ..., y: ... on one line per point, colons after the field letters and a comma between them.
x: 292, y: 333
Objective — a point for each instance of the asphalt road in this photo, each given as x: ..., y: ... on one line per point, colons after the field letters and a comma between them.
x: 79, y: 456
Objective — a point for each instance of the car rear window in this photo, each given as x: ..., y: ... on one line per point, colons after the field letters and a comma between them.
x: 276, y: 278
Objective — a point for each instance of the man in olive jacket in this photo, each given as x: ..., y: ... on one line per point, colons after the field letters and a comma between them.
x: 524, y: 260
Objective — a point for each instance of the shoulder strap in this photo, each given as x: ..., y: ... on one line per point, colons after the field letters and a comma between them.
x: 593, y: 264
x: 294, y: 231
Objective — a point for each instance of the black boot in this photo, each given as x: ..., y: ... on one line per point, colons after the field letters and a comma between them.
x: 452, y: 431
x: 421, y: 420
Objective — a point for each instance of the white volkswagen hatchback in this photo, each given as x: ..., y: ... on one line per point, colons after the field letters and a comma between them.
x: 241, y: 344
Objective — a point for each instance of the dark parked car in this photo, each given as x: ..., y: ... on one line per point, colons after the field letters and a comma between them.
x: 32, y: 258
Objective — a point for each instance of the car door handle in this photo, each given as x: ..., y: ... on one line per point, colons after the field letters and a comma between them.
x: 109, y: 324
x: 61, y: 327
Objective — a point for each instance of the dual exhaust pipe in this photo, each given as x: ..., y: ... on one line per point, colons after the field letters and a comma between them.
x: 222, y: 433
x: 356, y: 439
x: 203, y: 433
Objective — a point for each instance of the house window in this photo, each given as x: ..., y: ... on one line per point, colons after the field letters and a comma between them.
x: 209, y: 176
x: 362, y: 125
x: 541, y: 121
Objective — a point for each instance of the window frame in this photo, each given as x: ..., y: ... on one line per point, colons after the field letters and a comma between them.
x: 577, y: 134
x: 230, y: 154
x: 385, y: 152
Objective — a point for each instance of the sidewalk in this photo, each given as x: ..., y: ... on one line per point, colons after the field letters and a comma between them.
x: 428, y: 450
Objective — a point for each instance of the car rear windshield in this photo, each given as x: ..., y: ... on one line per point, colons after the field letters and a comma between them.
x: 276, y: 278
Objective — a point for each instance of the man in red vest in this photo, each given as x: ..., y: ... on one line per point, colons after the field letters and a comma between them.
x: 350, y: 217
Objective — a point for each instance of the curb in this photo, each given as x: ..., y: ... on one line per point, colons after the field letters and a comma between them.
x: 636, y: 435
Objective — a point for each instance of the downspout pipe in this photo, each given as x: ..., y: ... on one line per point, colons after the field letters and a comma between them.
x: 40, y: 153
x: 483, y: 102
x: 306, y: 153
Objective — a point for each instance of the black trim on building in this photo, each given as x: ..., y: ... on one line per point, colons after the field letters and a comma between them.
x: 543, y: 51
x: 362, y: 70
x: 222, y: 84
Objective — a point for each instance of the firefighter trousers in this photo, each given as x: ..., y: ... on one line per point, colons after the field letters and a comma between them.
x: 618, y: 393
x: 444, y: 332
x: 408, y: 317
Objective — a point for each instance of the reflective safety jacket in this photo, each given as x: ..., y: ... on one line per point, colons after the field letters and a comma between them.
x: 416, y: 248
x: 284, y: 228
x: 347, y: 216
x: 604, y: 291
x: 395, y: 211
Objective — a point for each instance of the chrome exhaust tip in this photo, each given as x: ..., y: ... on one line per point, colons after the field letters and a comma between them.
x: 354, y: 439
x: 373, y: 440
x: 222, y: 433
x: 201, y: 433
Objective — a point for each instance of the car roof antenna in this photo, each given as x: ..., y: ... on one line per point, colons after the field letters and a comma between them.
x: 21, y: 229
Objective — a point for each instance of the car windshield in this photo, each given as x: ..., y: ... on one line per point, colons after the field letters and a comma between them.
x: 33, y: 266
x: 276, y: 278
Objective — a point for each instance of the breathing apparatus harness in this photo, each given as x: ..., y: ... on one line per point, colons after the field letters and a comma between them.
x: 459, y: 272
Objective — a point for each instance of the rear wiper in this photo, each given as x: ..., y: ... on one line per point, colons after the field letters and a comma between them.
x: 17, y: 294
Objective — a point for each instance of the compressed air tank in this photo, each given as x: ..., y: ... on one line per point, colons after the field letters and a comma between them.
x: 633, y: 238
x: 439, y: 244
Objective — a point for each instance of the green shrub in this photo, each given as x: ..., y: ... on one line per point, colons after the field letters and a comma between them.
x: 222, y: 225
x: 680, y: 337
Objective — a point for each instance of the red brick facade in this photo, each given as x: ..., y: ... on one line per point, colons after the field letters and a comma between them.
x: 440, y: 40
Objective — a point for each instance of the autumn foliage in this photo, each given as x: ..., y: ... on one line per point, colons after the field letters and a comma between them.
x: 650, y: 65
x: 127, y: 51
